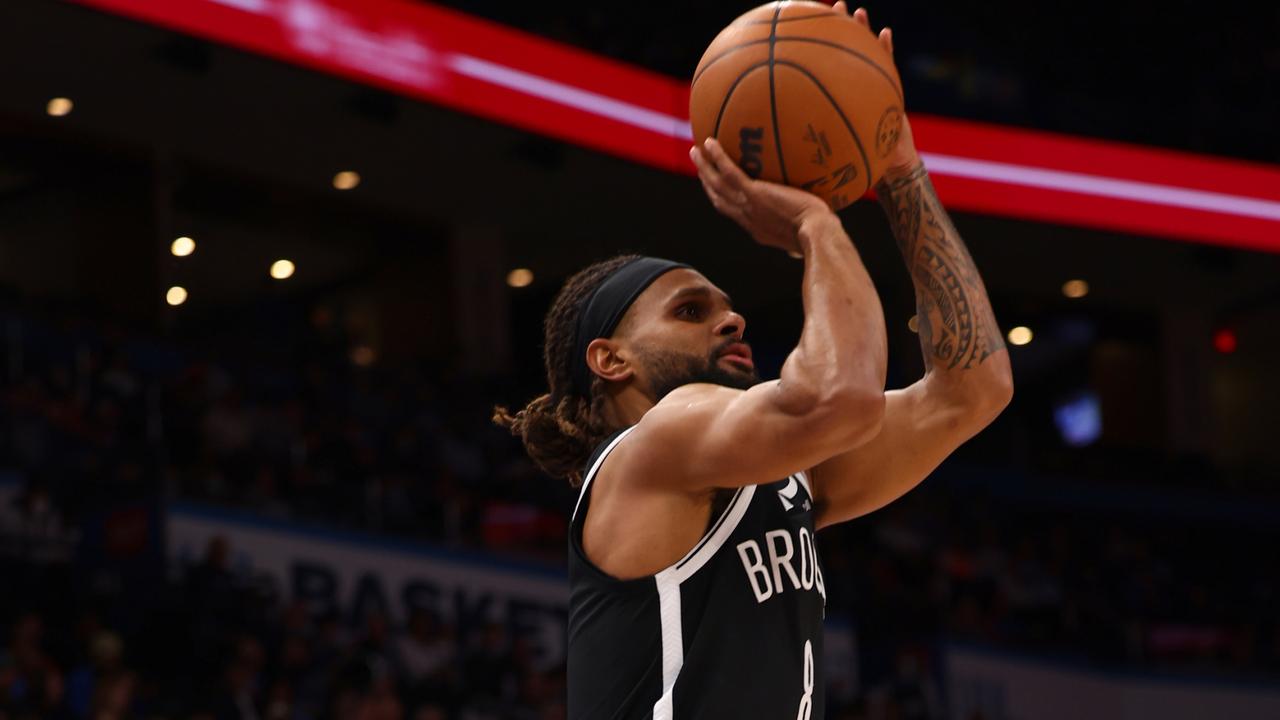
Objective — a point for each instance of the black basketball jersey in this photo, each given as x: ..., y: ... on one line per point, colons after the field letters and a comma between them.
x: 733, y: 630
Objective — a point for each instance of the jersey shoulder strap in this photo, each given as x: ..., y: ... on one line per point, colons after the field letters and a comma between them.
x: 596, y: 460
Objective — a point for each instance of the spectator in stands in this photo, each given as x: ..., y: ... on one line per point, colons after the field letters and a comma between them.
x: 31, y: 682
x: 427, y: 651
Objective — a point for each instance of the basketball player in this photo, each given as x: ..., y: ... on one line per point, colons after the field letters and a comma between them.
x: 695, y: 586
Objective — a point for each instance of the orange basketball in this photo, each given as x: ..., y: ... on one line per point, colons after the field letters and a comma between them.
x: 800, y: 94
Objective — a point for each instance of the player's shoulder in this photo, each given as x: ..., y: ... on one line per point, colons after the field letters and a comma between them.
x: 656, y: 449
x: 683, y: 416
x: 687, y: 406
x: 676, y: 413
x: 696, y: 392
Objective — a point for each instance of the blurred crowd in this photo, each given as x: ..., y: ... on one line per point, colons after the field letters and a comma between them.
x: 1109, y: 590
x: 215, y: 644
x: 95, y: 420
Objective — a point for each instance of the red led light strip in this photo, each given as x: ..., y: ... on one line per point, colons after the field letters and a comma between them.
x: 446, y: 57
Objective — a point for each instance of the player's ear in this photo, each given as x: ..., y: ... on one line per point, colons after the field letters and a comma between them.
x: 604, y: 359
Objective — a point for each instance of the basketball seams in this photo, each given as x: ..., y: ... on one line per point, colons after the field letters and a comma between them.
x: 772, y: 40
x: 721, y: 56
x: 715, y: 132
x: 785, y: 19
x: 866, y: 163
x: 861, y: 56
x: 773, y: 98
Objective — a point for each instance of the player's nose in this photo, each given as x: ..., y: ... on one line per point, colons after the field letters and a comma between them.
x: 731, y: 325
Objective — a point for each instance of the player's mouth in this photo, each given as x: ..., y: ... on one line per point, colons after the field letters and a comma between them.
x: 738, y: 354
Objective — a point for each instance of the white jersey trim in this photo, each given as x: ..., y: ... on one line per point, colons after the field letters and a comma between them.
x: 668, y: 582
x: 709, y: 545
x: 672, y: 641
x: 595, y: 468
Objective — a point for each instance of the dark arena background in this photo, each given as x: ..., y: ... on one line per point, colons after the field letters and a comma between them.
x: 267, y: 265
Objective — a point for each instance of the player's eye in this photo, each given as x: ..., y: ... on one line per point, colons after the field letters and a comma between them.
x: 689, y: 311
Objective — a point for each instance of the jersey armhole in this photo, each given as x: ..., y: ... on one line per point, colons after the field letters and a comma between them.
x: 577, y: 521
x: 594, y: 467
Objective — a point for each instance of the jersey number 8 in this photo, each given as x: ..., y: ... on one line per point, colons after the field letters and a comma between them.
x: 806, y: 700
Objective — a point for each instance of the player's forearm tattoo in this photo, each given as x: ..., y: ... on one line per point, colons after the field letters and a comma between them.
x: 954, y: 318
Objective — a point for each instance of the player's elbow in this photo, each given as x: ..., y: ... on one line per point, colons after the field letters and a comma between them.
x: 975, y: 397
x: 838, y: 415
x: 853, y: 415
x: 1001, y: 391
x: 996, y: 390
x: 987, y: 396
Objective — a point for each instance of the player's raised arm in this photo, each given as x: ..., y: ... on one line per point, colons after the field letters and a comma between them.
x: 830, y: 394
x: 967, y: 379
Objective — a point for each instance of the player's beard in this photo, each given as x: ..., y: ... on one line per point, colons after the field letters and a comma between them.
x: 670, y: 369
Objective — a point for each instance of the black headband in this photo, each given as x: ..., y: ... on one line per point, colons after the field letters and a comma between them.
x: 606, y: 306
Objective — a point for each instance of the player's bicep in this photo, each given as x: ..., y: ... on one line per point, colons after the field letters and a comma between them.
x: 710, y: 436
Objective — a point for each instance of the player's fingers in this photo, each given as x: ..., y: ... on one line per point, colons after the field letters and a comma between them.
x: 729, y: 209
x: 861, y: 16
x: 731, y: 175
x: 712, y: 179
x: 699, y: 158
x: 715, y: 155
x: 706, y: 169
x: 886, y: 39
x: 840, y: 7
x: 716, y: 201
x: 712, y: 188
x: 724, y: 198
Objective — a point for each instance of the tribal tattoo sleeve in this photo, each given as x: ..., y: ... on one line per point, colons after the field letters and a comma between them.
x: 957, y: 327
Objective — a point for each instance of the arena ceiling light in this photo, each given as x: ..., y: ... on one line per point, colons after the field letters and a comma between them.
x: 1075, y: 289
x: 282, y: 269
x: 520, y: 277
x: 1020, y: 335
x: 346, y: 180
x: 176, y: 295
x: 59, y: 107
x: 182, y: 247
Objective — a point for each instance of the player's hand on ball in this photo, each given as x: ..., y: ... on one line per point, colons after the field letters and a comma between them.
x: 904, y: 158
x: 770, y: 212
